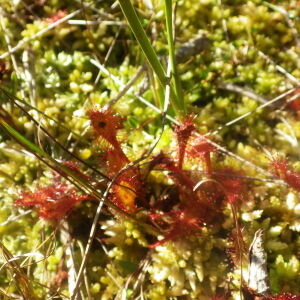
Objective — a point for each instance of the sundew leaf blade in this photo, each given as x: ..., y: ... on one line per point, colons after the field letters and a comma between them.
x: 81, y: 184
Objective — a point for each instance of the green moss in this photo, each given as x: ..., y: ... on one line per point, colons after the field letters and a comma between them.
x: 66, y: 85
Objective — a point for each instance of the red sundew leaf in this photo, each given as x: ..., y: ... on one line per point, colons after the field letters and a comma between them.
x: 281, y: 169
x: 197, y: 208
x: 295, y: 104
x: 234, y: 187
x: 185, y: 223
x: 200, y: 148
x: 183, y: 133
x: 128, y: 185
x: 106, y: 125
x: 285, y: 296
x: 201, y: 206
x: 58, y: 15
x: 194, y: 214
x: 251, y: 295
x: 3, y: 68
x: 279, y: 166
x: 238, y: 250
x: 126, y: 190
x: 53, y: 202
x: 115, y: 160
x: 177, y: 174
x: 60, y: 277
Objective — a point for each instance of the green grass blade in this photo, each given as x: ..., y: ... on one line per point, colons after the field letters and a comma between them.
x: 175, y: 76
x: 147, y: 48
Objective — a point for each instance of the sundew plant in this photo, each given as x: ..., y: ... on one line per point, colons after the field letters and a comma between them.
x: 149, y: 149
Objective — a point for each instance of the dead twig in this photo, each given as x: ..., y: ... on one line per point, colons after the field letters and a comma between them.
x: 245, y: 91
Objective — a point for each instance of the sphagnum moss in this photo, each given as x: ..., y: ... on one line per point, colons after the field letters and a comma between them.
x: 253, y: 46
